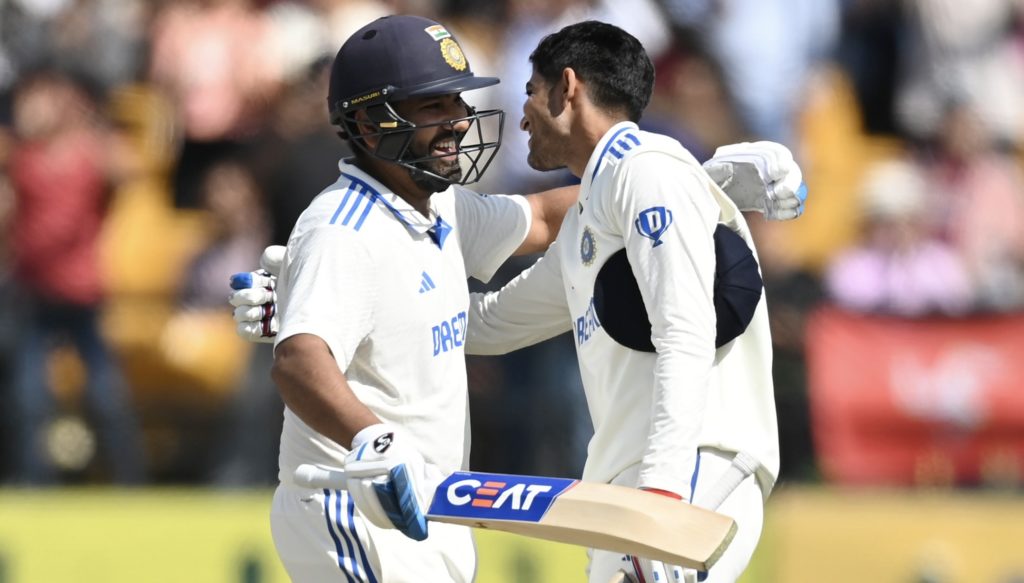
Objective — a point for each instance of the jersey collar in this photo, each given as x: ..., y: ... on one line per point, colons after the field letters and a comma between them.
x: 402, y: 210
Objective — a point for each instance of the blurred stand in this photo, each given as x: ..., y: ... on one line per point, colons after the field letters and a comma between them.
x: 59, y: 176
x: 854, y: 87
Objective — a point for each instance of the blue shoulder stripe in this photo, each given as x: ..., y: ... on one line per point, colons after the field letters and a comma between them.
x: 365, y: 196
x: 621, y: 142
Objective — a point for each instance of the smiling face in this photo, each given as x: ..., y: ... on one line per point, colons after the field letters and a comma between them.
x: 542, y: 119
x: 441, y: 125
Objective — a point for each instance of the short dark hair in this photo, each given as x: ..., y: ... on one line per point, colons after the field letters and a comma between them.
x: 613, y: 63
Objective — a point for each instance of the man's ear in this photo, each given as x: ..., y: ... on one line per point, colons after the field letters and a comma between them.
x: 563, y: 92
x: 367, y: 130
x: 570, y: 84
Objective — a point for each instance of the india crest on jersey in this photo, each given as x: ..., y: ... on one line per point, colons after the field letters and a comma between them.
x: 588, y: 247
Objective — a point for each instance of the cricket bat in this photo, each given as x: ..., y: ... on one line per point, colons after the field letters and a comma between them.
x: 603, y: 516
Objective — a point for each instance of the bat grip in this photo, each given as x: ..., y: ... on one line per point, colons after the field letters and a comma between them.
x: 742, y: 466
x: 311, y: 476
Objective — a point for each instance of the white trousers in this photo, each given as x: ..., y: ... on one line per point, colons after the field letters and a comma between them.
x: 321, y: 537
x: 745, y: 505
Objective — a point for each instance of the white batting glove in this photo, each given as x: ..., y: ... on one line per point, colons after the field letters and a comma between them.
x: 389, y: 481
x: 760, y: 176
x: 641, y: 570
x: 255, y: 298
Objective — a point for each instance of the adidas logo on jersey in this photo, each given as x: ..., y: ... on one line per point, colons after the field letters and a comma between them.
x: 426, y: 284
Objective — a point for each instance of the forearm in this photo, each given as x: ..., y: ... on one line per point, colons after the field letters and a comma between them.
x: 548, y: 209
x: 527, y: 310
x: 313, y: 387
x: 497, y: 327
x: 678, y: 409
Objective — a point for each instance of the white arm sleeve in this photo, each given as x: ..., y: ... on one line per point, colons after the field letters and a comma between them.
x: 667, y: 216
x: 491, y: 228
x: 527, y: 310
x: 326, y: 288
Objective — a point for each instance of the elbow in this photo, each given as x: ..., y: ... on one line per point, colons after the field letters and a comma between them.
x: 286, y: 368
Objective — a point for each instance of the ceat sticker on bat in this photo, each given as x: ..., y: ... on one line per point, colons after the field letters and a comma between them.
x: 497, y: 496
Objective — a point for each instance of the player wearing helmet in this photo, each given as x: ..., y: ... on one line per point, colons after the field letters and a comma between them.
x: 369, y: 359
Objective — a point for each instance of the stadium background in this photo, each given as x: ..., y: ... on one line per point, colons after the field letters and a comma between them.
x: 900, y: 405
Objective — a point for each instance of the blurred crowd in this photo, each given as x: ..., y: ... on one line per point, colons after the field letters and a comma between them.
x: 150, y: 148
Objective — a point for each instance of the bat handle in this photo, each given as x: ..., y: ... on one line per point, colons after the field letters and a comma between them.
x: 311, y: 476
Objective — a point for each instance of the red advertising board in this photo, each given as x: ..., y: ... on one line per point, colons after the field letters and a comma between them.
x: 897, y: 401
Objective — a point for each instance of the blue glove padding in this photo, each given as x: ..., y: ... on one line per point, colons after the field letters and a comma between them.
x: 389, y: 481
x: 255, y: 298
x: 399, y: 503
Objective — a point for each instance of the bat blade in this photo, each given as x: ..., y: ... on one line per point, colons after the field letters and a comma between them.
x: 602, y: 516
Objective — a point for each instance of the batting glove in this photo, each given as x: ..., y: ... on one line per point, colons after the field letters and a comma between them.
x: 255, y: 298
x: 760, y: 176
x: 389, y: 481
x: 641, y: 570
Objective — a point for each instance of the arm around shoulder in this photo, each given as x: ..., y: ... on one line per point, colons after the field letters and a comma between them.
x: 548, y: 208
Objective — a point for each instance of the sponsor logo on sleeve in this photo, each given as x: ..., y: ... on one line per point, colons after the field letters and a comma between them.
x: 653, y: 223
x: 497, y: 496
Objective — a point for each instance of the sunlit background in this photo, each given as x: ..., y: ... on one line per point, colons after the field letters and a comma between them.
x: 148, y: 149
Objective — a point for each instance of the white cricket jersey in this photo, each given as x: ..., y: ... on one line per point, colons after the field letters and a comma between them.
x: 645, y: 192
x: 385, y: 288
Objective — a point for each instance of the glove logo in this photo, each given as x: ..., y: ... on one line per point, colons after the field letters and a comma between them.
x: 497, y: 496
x: 383, y: 442
x: 653, y: 223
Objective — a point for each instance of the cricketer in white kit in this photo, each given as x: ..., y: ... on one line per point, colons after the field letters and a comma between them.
x: 672, y: 419
x: 385, y: 288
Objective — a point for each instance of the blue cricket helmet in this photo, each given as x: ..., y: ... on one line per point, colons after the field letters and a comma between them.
x: 398, y: 57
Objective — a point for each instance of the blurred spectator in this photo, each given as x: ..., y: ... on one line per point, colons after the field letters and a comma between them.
x: 297, y: 154
x: 343, y: 17
x: 210, y: 57
x: 768, y: 50
x: 966, y: 49
x: 976, y: 193
x: 528, y: 22
x: 869, y: 53
x: 102, y: 40
x: 59, y: 175
x: 899, y: 267
x: 691, y: 101
x: 234, y: 204
x: 244, y: 444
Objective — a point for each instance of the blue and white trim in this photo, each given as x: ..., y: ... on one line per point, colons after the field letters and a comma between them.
x: 356, y: 204
x: 621, y: 142
x: 353, y: 211
x: 339, y: 510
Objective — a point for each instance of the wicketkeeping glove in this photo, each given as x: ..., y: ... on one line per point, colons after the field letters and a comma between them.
x: 760, y: 176
x: 255, y: 298
x: 389, y: 481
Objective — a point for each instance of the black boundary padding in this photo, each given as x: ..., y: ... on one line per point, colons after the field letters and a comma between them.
x: 737, y: 291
